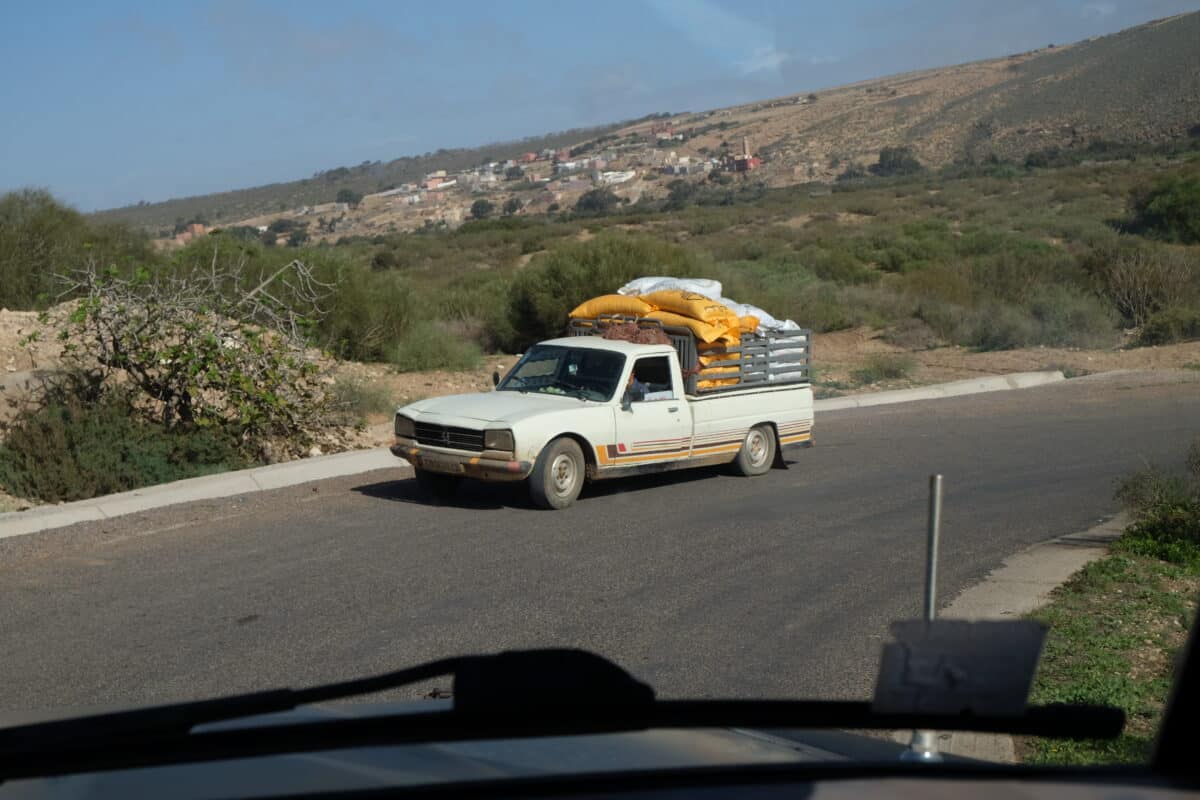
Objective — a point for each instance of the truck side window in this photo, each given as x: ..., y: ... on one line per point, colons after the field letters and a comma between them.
x: 654, y: 374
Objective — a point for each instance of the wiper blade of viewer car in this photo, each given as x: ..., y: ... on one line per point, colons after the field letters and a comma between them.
x: 515, y: 694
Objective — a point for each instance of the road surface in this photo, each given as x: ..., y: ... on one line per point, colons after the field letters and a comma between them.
x: 703, y: 583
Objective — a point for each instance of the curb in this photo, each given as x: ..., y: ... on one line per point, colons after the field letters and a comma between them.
x: 1021, y: 584
x: 206, y: 487
x: 1016, y: 380
x: 278, y: 476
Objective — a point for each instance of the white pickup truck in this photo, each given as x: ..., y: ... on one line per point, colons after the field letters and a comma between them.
x: 589, y: 408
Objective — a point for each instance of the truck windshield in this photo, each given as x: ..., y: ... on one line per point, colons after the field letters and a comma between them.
x: 582, y: 372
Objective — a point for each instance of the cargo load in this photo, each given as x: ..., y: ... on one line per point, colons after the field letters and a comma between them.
x: 722, y: 344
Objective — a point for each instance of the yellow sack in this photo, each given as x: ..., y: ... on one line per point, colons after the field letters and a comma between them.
x: 690, y: 304
x: 719, y: 359
x: 713, y: 384
x: 612, y: 304
x: 715, y: 372
x: 728, y: 339
x: 702, y: 330
x: 748, y: 323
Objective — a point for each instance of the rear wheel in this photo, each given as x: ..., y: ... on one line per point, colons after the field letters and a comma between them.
x: 435, y: 485
x: 558, y: 475
x: 758, y: 451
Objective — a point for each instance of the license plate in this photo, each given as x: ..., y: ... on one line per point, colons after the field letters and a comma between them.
x: 436, y: 464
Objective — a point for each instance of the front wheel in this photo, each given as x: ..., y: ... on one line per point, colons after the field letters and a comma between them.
x: 758, y: 451
x: 557, y: 477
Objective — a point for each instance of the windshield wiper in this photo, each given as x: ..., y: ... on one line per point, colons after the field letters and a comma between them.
x: 516, y: 694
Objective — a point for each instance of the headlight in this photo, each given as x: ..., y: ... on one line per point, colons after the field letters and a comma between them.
x: 498, y: 440
x: 404, y: 427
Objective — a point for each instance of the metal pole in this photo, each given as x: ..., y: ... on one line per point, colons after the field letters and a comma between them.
x: 923, y: 745
x: 931, y: 551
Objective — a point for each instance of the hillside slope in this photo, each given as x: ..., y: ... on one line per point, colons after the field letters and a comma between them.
x: 1140, y: 86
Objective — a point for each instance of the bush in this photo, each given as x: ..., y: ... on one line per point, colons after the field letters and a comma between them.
x: 482, y: 209
x: 370, y: 312
x: 1143, y: 281
x: 355, y: 400
x: 1166, y: 511
x: 896, y: 161
x: 69, y: 449
x: 596, y: 202
x: 543, y: 294
x: 431, y: 346
x: 884, y: 367
x: 1169, y: 326
x: 40, y: 237
x: 1170, y: 210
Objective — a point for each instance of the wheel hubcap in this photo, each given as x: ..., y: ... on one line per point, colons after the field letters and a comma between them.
x: 562, y: 472
x: 756, y: 445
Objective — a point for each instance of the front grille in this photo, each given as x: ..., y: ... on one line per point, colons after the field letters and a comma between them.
x: 447, y: 436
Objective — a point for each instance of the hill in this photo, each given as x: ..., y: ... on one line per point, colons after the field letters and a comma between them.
x: 370, y: 176
x: 1134, y: 89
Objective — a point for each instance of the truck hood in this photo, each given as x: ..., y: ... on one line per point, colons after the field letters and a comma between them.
x: 484, y: 407
x: 410, y: 765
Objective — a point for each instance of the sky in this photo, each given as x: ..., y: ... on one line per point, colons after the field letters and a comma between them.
x: 107, y: 104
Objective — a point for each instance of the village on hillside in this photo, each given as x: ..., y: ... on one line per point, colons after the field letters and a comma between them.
x: 631, y: 164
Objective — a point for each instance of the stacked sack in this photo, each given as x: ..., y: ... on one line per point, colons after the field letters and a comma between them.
x: 697, y: 304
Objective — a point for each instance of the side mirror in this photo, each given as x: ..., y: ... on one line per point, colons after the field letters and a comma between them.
x: 495, y: 377
x: 626, y: 402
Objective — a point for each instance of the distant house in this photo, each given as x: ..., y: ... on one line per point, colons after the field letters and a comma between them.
x: 432, y: 182
x: 613, y: 178
x: 193, y: 231
x: 341, y: 207
x: 527, y: 158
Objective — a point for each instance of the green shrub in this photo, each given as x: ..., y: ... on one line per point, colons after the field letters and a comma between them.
x: 69, y: 449
x: 543, y: 294
x: 1170, y: 209
x: 1068, y: 317
x: 369, y: 313
x: 999, y: 327
x: 884, y: 367
x: 355, y: 400
x: 1169, y: 326
x: 40, y: 237
x: 1166, y: 511
x: 429, y: 345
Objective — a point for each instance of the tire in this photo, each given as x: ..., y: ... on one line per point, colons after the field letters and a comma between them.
x: 758, y: 451
x: 557, y: 477
x: 436, y: 486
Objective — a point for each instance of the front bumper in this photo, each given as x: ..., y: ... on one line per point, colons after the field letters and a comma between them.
x: 490, y: 465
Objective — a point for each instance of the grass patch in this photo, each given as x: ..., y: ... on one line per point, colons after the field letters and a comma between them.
x: 1118, y: 626
x: 884, y: 367
x: 1195, y: 365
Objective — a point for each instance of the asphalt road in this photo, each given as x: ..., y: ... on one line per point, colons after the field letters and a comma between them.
x: 702, y: 583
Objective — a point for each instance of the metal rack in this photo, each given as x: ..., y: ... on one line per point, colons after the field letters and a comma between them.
x: 767, y: 358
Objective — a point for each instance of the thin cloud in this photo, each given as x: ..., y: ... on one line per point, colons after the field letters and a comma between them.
x: 1102, y: 9
x: 745, y: 44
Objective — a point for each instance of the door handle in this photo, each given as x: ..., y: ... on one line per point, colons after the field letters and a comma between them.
x: 673, y: 409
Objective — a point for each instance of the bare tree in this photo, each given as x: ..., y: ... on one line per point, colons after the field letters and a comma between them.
x: 1143, y: 282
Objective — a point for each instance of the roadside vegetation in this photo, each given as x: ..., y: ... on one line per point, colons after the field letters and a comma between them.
x: 1118, y: 627
x: 988, y: 256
